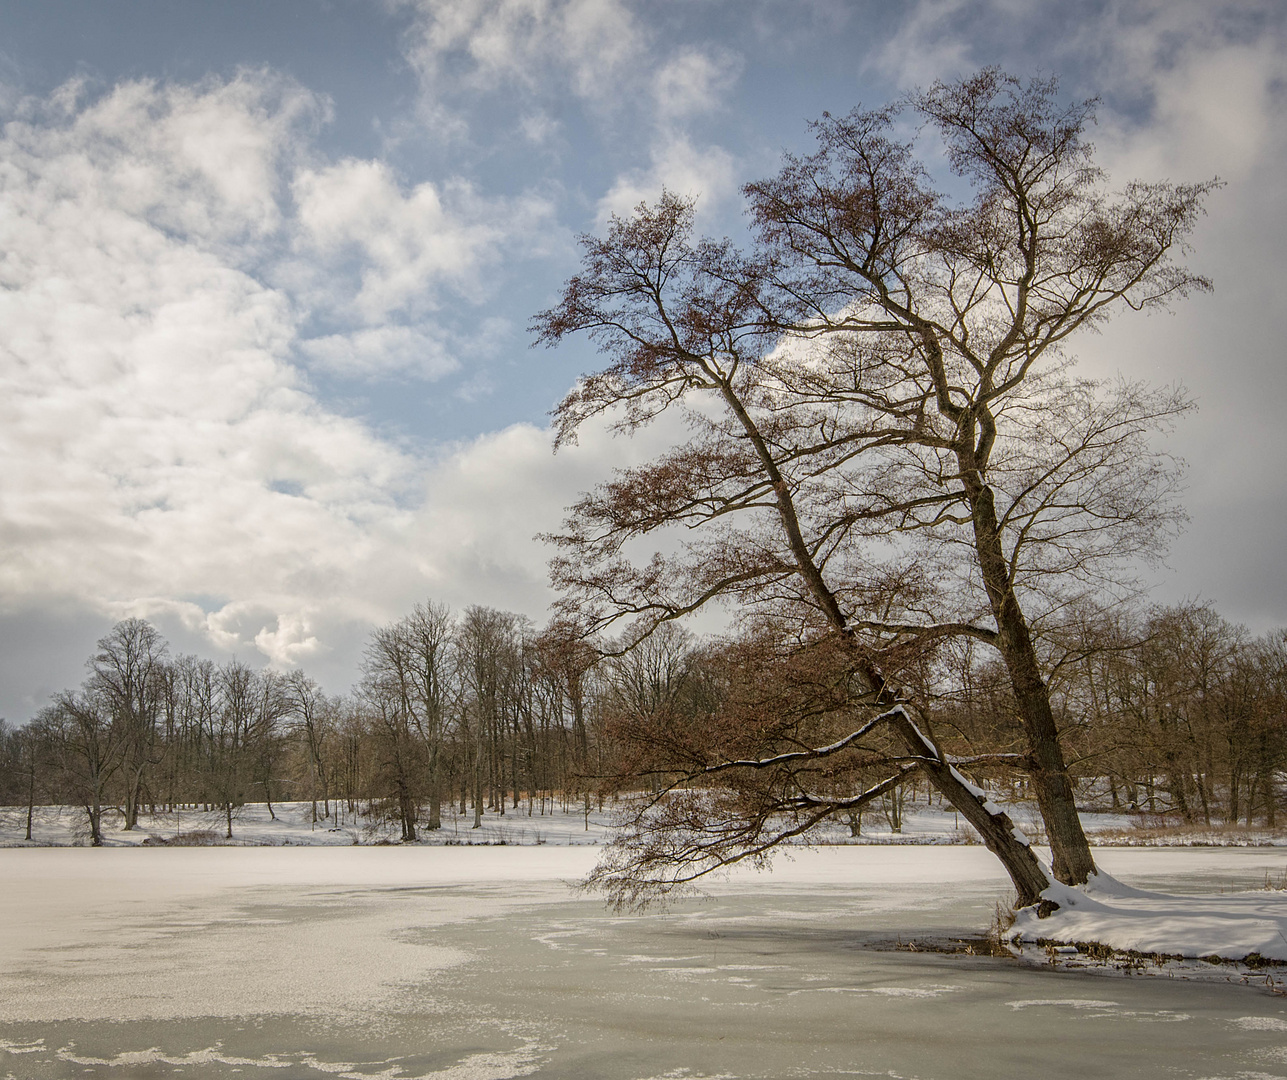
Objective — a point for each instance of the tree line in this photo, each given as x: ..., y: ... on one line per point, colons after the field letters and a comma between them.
x: 1173, y: 712
x: 471, y: 709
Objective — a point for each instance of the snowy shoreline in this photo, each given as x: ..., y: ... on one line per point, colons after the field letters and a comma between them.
x: 291, y: 824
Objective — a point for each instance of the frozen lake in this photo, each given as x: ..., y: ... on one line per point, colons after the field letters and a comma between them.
x: 478, y: 963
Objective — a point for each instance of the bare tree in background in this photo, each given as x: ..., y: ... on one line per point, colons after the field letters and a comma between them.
x: 249, y: 707
x: 89, y: 751
x: 308, y: 707
x: 567, y: 660
x: 25, y: 757
x: 485, y: 645
x: 408, y: 672
x: 417, y: 653
x: 126, y: 674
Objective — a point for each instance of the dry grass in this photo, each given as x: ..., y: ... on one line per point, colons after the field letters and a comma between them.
x: 1161, y: 834
x: 1002, y: 919
x: 194, y: 838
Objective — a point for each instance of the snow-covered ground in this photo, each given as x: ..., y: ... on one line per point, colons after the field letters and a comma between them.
x: 478, y: 963
x: 1153, y: 929
x: 292, y: 824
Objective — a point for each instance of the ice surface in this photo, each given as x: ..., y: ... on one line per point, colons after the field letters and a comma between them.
x: 479, y: 964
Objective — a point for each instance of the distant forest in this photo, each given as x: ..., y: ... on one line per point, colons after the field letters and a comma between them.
x: 1171, y: 712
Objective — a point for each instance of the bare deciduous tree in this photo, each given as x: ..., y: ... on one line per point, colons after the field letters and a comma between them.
x: 126, y: 673
x: 889, y: 447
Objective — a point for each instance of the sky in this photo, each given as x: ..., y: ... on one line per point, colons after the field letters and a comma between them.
x: 265, y: 373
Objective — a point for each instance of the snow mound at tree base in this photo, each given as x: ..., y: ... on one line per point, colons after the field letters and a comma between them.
x: 1105, y: 925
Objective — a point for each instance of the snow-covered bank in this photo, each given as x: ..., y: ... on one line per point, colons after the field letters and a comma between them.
x: 293, y: 824
x: 1108, y: 924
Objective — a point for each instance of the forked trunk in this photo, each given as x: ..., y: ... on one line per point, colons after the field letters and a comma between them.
x: 1050, y: 778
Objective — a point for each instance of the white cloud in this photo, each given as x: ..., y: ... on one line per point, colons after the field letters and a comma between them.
x: 930, y: 44
x: 490, y: 495
x: 1208, y: 80
x: 606, y: 54
x: 204, y: 161
x: 1210, y: 96
x: 539, y: 127
x: 710, y: 173
x: 163, y: 455
x: 403, y: 245
x: 404, y: 248
x: 695, y: 81
x: 381, y: 350
x: 587, y: 44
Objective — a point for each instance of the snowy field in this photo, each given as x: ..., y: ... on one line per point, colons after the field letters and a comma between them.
x: 292, y: 824
x: 478, y: 963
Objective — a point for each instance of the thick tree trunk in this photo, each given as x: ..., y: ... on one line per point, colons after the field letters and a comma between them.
x: 435, y: 804
x: 133, y: 788
x: 996, y: 828
x: 1071, y: 857
x: 1073, y: 861
x: 1177, y: 787
x: 407, y: 812
x: 433, y: 782
x: 95, y: 812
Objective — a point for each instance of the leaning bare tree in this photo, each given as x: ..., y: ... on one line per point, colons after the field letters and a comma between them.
x: 889, y: 448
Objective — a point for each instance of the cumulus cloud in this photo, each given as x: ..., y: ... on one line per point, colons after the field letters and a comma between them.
x: 166, y: 457
x: 604, y: 53
x: 401, y: 246
x: 381, y: 350
x: 585, y: 44
x: 1194, y: 89
x: 710, y: 173
x: 205, y: 161
x: 695, y: 81
x: 932, y: 42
